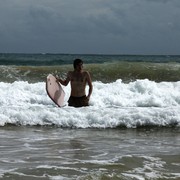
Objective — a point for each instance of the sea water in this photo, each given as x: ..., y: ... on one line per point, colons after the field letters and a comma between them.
x: 129, y: 131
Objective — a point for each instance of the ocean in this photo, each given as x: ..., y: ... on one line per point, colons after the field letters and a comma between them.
x: 131, y: 130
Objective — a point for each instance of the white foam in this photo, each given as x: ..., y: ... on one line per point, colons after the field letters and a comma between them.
x: 138, y: 103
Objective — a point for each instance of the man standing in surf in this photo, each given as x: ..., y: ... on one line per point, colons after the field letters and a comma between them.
x: 78, y: 79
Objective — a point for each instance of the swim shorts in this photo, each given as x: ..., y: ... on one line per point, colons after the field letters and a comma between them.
x: 78, y: 101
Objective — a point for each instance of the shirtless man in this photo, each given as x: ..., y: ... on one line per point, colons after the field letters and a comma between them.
x: 78, y: 79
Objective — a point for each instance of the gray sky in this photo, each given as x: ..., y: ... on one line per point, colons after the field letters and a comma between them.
x: 90, y: 26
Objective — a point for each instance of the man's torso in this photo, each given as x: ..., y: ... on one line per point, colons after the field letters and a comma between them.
x: 78, y: 83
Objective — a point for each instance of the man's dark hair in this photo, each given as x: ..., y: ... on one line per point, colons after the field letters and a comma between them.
x: 77, y: 62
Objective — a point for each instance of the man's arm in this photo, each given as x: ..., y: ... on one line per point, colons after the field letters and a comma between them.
x: 89, y: 81
x: 66, y: 81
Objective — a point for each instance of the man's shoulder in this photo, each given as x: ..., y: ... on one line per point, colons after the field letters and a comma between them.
x: 70, y: 72
x: 85, y: 72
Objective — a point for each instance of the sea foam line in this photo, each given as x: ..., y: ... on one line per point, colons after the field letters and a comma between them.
x: 139, y: 103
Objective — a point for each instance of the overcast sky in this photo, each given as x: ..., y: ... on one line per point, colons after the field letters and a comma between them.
x: 90, y: 26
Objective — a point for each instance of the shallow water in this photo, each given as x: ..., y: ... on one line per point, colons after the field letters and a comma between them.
x: 56, y: 153
x: 129, y: 131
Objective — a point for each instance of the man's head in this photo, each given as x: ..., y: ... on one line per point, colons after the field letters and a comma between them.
x: 77, y: 62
